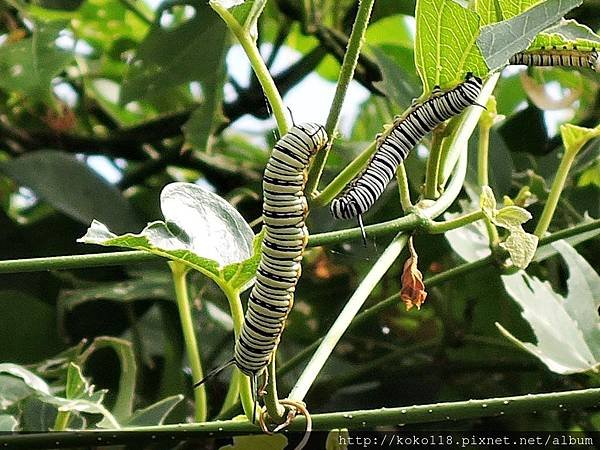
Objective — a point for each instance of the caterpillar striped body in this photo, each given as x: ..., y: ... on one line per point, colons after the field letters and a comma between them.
x: 558, y: 57
x: 394, y: 146
x: 284, y: 214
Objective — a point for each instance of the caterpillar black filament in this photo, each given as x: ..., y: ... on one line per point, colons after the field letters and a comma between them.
x: 394, y: 146
x: 284, y: 214
x: 558, y: 57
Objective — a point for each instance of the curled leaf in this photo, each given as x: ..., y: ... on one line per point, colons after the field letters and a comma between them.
x: 413, y: 289
x: 487, y: 202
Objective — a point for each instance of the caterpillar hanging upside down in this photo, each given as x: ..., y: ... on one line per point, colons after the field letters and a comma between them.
x: 284, y: 214
x: 559, y: 57
x: 395, y: 144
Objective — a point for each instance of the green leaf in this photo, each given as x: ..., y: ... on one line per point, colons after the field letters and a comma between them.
x: 445, y: 47
x: 152, y: 285
x: 84, y: 406
x: 240, y: 275
x: 337, y: 438
x: 68, y: 185
x: 521, y: 246
x: 208, y: 117
x: 487, y: 202
x: 8, y: 423
x: 127, y: 379
x: 154, y: 414
x: 470, y: 242
x: 567, y: 329
x: 30, y: 64
x: 396, y: 82
x: 511, y: 8
x: 77, y: 385
x: 56, y: 367
x: 567, y: 33
x: 253, y: 442
x: 499, y: 41
x: 488, y: 10
x: 201, y: 230
x: 574, y: 137
x: 41, y: 339
x: 169, y: 57
x: 511, y: 217
x: 12, y: 391
x: 546, y: 251
x: 29, y: 378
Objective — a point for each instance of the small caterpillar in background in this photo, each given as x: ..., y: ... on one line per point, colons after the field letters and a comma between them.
x: 284, y: 214
x: 393, y: 148
x: 558, y: 57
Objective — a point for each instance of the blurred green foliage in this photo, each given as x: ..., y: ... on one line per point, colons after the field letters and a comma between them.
x: 145, y: 102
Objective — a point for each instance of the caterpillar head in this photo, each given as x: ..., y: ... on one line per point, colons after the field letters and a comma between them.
x: 316, y: 132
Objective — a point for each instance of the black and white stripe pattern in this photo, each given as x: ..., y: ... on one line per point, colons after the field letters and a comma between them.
x: 284, y: 214
x: 558, y: 57
x: 396, y: 143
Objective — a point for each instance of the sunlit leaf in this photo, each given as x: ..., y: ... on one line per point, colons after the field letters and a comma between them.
x: 511, y: 8
x: 575, y: 137
x: 521, y: 246
x: 567, y: 328
x: 511, y: 217
x: 499, y: 41
x: 487, y: 202
x: 445, y: 47
x: 201, y: 230
x: 488, y: 10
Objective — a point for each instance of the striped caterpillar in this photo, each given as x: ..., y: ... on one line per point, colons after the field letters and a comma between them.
x: 284, y: 214
x: 558, y: 57
x: 397, y: 142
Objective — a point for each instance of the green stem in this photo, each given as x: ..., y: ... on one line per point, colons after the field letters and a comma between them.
x: 276, y: 410
x: 355, y: 42
x: 555, y: 191
x: 237, y: 315
x: 482, y: 174
x: 460, y: 136
x: 482, y: 153
x: 338, y: 184
x: 403, y: 189
x: 341, y: 324
x: 367, y: 419
x: 433, y: 163
x: 179, y: 272
x: 442, y: 227
x: 431, y: 282
x: 260, y: 69
x: 124, y: 258
x: 62, y: 420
